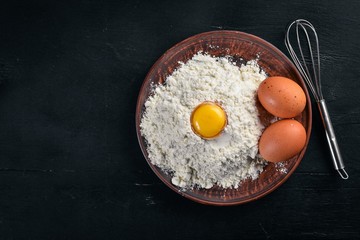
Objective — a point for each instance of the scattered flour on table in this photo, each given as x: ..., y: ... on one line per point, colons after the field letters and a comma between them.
x: 191, y: 160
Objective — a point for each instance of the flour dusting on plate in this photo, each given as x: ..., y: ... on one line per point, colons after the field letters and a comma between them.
x: 189, y: 159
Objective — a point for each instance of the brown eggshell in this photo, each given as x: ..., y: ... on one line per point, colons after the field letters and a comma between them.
x: 281, y: 97
x: 282, y: 140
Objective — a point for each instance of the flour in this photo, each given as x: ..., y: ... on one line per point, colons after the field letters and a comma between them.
x: 281, y: 167
x: 191, y: 160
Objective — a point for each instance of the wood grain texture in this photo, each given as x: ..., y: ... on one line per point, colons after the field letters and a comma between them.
x: 241, y: 47
x: 70, y: 164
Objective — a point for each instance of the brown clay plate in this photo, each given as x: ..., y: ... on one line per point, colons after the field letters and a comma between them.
x: 238, y: 45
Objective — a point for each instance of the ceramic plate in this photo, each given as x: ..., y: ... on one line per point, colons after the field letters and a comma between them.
x: 241, y: 47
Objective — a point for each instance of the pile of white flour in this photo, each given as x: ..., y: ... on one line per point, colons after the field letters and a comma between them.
x: 175, y: 148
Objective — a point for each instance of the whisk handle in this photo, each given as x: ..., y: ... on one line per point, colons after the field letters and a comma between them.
x: 331, y: 138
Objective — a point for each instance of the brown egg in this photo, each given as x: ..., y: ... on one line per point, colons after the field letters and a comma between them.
x: 282, y: 97
x: 282, y: 140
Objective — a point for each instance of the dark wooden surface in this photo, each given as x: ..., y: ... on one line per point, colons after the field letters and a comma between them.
x: 70, y: 164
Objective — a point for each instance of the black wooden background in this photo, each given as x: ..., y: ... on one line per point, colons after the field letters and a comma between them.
x: 70, y: 164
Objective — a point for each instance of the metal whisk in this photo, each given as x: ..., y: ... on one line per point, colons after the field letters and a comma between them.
x: 310, y: 71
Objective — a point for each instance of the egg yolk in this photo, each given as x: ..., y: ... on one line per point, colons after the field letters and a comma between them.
x: 208, y: 120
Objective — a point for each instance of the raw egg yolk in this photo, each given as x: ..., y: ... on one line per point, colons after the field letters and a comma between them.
x: 208, y: 120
